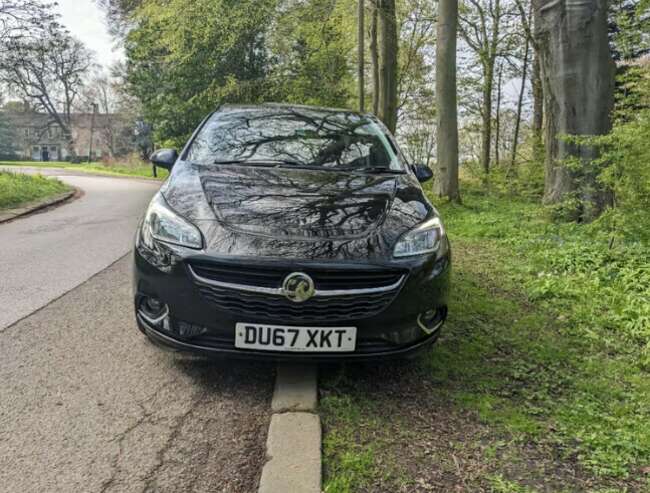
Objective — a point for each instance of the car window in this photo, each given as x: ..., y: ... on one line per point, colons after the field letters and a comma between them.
x: 294, y: 137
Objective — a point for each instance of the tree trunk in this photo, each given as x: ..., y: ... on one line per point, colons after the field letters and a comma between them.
x: 497, y: 129
x: 578, y: 77
x: 538, y: 108
x: 520, y: 104
x: 388, y: 64
x: 538, y: 87
x: 538, y: 98
x: 446, y: 184
x: 486, y: 115
x: 361, y: 61
x: 374, y: 58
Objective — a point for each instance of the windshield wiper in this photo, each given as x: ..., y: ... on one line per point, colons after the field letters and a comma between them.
x: 261, y: 162
x: 229, y: 161
x: 380, y: 169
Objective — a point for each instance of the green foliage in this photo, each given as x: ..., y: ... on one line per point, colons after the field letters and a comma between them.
x: 632, y: 92
x: 629, y: 27
x: 623, y: 154
x: 7, y: 139
x: 352, y: 466
x: 186, y: 58
x: 547, y: 344
x: 311, y: 43
x: 17, y: 189
x: 498, y: 484
x: 590, y: 372
x: 627, y: 152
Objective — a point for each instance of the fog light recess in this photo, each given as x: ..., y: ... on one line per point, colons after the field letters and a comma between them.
x: 154, y: 311
x: 431, y: 320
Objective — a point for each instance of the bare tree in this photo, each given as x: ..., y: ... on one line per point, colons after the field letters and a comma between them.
x: 578, y: 76
x: 497, y: 120
x: 388, y: 63
x: 415, y: 81
x: 520, y: 99
x: 529, y: 19
x: 115, y: 125
x: 22, y: 20
x: 446, y: 184
x: 118, y: 13
x: 486, y: 28
x: 48, y: 72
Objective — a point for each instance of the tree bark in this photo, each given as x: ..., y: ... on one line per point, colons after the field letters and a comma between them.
x: 578, y: 80
x: 538, y: 98
x: 486, y: 116
x: 538, y: 110
x: 374, y: 58
x: 489, y: 60
x: 388, y: 64
x: 446, y: 184
x: 520, y: 104
x: 497, y: 121
x: 361, y: 61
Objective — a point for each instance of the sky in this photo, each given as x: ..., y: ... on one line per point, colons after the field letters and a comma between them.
x: 87, y: 22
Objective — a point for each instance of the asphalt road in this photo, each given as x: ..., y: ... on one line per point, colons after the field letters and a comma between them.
x: 86, y: 402
x: 45, y: 255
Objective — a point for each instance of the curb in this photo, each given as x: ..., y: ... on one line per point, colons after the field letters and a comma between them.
x: 80, y: 172
x: 293, y: 444
x: 11, y: 214
x: 295, y: 389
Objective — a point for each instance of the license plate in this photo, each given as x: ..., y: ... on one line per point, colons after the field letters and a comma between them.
x: 297, y: 339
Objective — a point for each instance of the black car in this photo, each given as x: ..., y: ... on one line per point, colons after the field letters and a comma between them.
x: 291, y: 232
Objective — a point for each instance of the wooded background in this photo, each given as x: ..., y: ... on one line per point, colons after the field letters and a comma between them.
x: 514, y: 90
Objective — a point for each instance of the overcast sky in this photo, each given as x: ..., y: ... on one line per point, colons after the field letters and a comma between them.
x: 87, y: 22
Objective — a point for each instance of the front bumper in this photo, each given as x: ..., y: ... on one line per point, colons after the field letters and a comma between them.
x: 168, y: 342
x: 196, y: 323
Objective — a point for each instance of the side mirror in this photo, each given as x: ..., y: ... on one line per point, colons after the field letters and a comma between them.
x: 422, y: 172
x: 165, y: 158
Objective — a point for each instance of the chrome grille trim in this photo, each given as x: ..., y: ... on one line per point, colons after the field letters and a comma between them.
x: 280, y: 292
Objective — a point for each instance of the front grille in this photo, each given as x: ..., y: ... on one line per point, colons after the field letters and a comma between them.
x: 272, y: 276
x: 263, y: 307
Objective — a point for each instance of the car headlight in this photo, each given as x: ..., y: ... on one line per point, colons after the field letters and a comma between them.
x: 425, y: 238
x: 163, y: 224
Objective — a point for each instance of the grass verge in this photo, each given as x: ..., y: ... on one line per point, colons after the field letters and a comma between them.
x: 17, y: 189
x: 540, y: 382
x: 124, y: 169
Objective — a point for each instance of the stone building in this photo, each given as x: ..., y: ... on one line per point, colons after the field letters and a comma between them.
x: 38, y: 138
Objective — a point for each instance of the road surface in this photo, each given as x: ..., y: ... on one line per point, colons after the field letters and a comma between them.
x: 45, y: 255
x: 86, y: 402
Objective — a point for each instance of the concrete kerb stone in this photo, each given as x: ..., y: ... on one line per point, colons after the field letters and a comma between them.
x: 11, y: 214
x: 293, y: 447
x: 293, y: 444
x: 295, y: 389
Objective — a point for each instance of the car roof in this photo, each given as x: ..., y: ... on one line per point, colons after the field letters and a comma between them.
x: 226, y: 108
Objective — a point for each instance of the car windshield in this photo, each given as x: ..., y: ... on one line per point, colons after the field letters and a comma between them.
x: 294, y: 137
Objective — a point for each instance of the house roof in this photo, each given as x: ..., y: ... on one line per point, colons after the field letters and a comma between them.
x: 43, y: 120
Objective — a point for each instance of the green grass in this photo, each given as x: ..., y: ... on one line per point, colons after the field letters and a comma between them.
x: 547, y: 344
x: 123, y: 169
x: 582, y: 345
x: 18, y: 189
